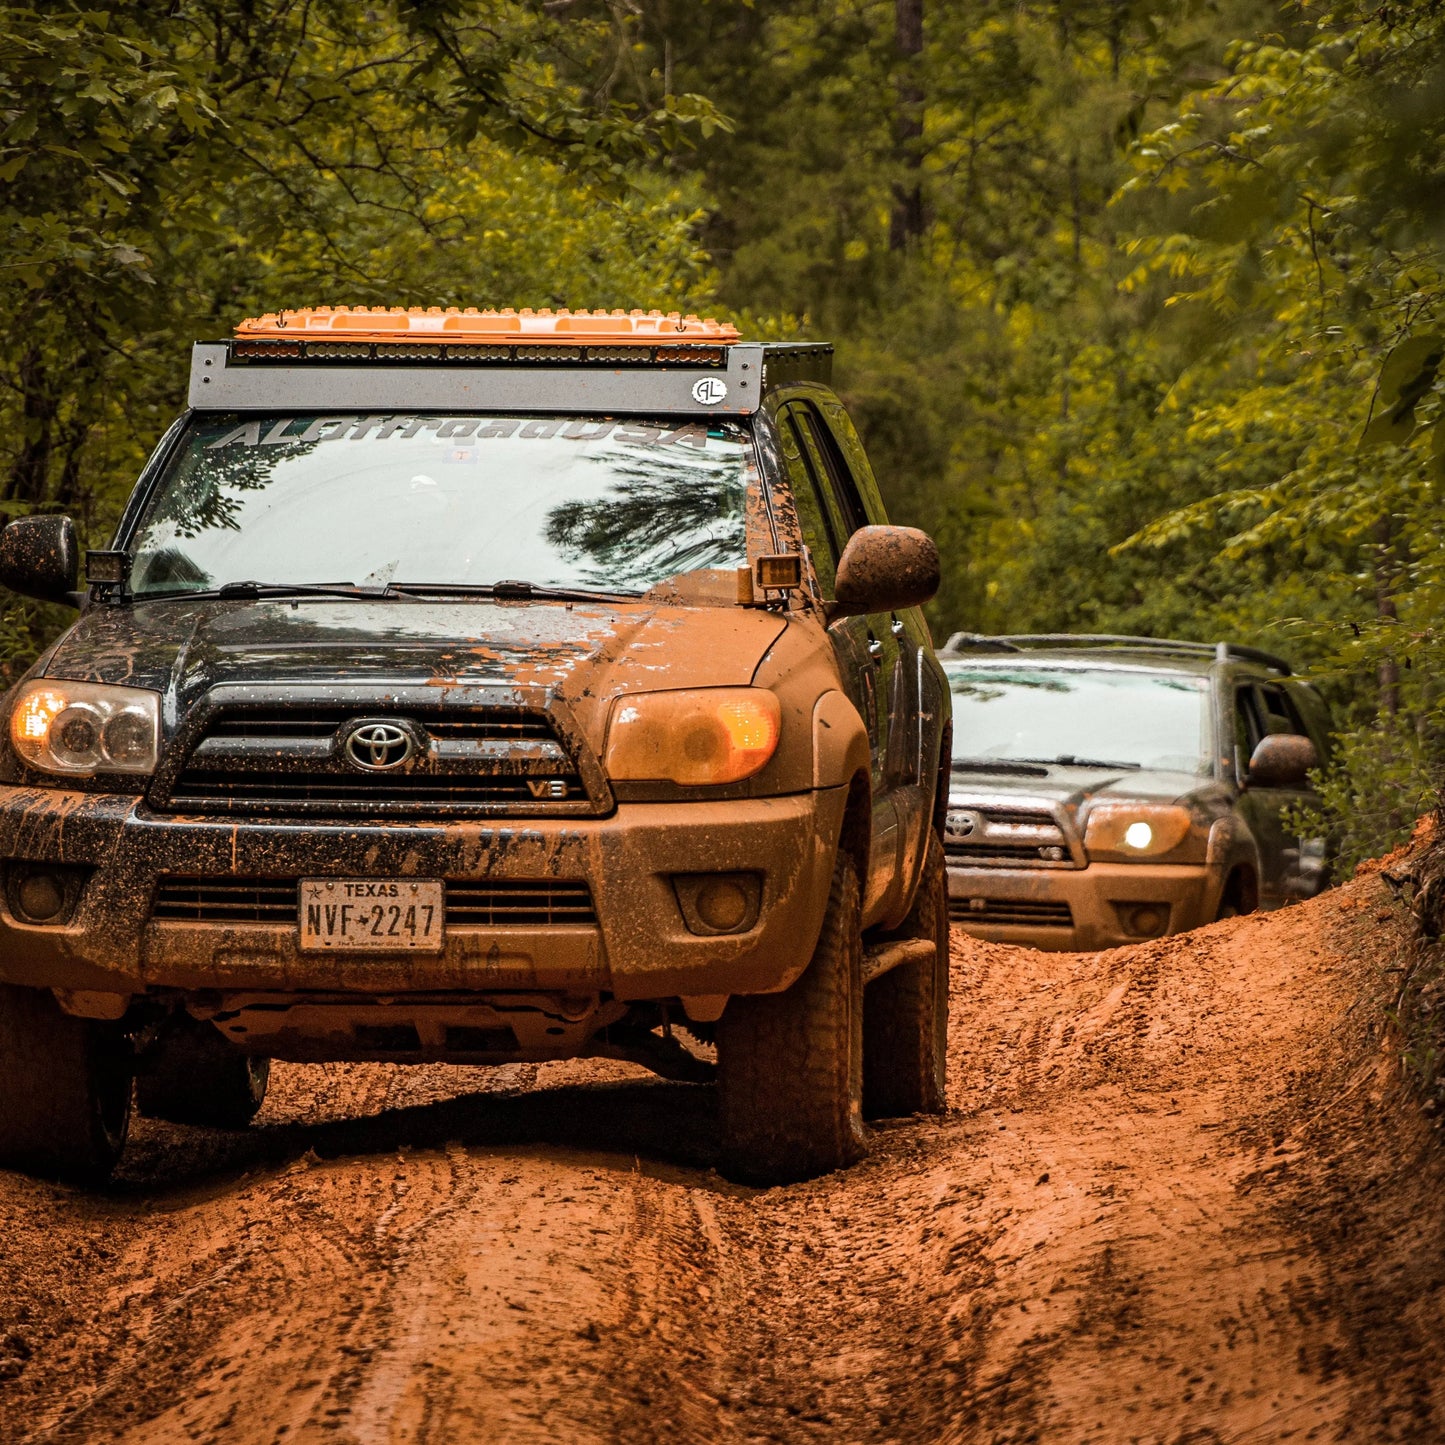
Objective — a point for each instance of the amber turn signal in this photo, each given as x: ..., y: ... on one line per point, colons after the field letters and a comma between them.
x: 712, y: 735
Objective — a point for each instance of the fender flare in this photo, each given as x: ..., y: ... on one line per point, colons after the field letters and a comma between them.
x: 840, y: 742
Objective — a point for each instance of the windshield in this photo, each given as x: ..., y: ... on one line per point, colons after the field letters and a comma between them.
x: 1055, y: 714
x: 450, y: 500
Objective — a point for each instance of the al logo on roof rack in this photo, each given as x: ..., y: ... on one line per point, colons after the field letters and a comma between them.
x: 709, y: 391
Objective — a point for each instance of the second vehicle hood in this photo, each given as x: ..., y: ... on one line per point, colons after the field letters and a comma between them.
x: 1074, y: 786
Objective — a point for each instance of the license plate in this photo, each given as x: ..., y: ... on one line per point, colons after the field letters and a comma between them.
x: 380, y: 914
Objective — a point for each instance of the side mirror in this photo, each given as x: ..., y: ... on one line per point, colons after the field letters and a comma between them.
x: 39, y: 557
x: 885, y: 569
x: 1282, y: 761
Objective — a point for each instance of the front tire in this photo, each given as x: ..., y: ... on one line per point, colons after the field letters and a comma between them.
x: 790, y: 1065
x: 65, y: 1089
x: 905, y: 1012
x: 192, y: 1075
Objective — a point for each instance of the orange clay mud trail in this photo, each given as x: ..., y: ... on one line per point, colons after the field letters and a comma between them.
x: 1181, y: 1197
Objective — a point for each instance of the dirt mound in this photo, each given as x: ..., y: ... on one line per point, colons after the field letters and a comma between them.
x: 1183, y: 1196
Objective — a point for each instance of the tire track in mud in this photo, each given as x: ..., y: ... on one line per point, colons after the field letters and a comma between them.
x: 1179, y: 1199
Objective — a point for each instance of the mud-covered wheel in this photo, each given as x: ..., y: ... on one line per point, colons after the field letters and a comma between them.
x: 790, y: 1065
x: 192, y: 1075
x: 905, y: 1012
x: 65, y: 1089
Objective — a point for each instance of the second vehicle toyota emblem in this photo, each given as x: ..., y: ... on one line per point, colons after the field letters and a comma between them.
x: 377, y: 746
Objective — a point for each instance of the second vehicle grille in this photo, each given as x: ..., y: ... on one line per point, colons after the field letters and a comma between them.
x: 992, y: 835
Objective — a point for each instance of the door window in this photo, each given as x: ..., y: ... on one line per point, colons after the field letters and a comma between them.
x: 849, y: 512
x: 1278, y: 712
x: 819, y: 528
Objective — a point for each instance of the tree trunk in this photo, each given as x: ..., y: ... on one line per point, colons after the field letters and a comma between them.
x: 39, y: 407
x: 1387, y: 568
x: 907, y: 220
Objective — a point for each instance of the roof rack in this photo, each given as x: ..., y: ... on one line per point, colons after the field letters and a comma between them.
x: 1022, y: 641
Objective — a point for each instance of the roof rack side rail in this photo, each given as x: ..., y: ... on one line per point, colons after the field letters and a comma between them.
x: 1255, y: 654
x: 1020, y: 641
x: 977, y: 642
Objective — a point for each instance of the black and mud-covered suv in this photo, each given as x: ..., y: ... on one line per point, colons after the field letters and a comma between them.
x: 481, y: 687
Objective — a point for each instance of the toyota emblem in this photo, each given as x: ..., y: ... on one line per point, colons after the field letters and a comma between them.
x: 962, y: 823
x: 377, y: 746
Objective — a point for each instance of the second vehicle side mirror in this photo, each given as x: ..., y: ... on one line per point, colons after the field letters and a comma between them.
x: 1283, y: 761
x: 39, y: 557
x: 885, y: 569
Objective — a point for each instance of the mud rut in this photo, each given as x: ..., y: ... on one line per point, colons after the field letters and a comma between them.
x: 1181, y: 1198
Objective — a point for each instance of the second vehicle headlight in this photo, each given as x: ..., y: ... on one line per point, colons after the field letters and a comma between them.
x: 82, y: 728
x: 1136, y: 830
x: 710, y: 735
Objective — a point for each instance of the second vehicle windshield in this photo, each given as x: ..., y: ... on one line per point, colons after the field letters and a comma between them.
x: 597, y: 504
x: 1080, y: 716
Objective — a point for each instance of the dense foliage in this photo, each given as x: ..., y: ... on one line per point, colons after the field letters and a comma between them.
x: 1138, y: 300
x: 1139, y: 305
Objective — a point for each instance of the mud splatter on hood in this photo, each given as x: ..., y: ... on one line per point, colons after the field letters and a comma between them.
x: 586, y: 650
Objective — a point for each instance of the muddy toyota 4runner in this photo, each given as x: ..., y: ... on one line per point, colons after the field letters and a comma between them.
x: 481, y: 687
x: 1113, y: 789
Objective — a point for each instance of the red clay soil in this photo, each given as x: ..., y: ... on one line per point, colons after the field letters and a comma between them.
x: 1182, y: 1197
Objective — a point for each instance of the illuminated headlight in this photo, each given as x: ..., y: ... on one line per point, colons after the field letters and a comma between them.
x: 82, y: 728
x: 711, y: 735
x: 1136, y: 830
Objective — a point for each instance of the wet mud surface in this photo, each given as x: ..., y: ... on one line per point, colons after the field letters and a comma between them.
x: 1181, y: 1197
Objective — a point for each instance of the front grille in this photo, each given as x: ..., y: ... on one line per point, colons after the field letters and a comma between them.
x: 290, y: 759
x: 492, y: 724
x: 487, y: 904
x: 226, y: 900
x: 1010, y: 912
x: 470, y: 903
x: 226, y: 790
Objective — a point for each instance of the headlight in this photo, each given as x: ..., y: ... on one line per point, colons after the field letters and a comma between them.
x: 1135, y: 830
x: 713, y: 735
x: 83, y: 728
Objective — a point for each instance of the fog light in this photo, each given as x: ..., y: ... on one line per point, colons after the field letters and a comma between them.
x: 714, y: 903
x: 1146, y: 920
x: 721, y: 904
x: 40, y: 897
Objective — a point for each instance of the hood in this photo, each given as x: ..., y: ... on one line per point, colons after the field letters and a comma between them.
x: 1074, y: 787
x: 585, y: 652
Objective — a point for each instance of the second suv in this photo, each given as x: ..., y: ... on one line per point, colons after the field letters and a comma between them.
x: 1111, y: 789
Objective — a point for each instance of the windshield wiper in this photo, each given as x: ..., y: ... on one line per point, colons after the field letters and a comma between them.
x: 1072, y: 760
x: 999, y: 765
x: 508, y: 591
x: 253, y: 590
x: 502, y: 591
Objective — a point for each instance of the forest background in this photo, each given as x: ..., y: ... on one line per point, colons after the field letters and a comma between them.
x: 1138, y: 304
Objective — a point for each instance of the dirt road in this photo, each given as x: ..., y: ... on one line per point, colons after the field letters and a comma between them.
x: 1181, y: 1198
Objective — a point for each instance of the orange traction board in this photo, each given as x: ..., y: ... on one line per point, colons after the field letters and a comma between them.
x: 457, y: 327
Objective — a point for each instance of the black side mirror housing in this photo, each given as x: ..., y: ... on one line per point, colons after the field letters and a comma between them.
x: 40, y: 557
x: 885, y: 569
x: 1283, y: 761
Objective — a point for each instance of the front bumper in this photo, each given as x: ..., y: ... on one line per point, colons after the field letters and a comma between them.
x: 1081, y: 909
x: 639, y: 948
